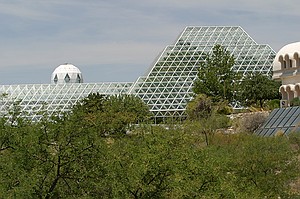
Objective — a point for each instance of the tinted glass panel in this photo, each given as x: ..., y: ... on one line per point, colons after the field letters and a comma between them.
x: 276, y: 123
x: 291, y: 120
x: 296, y: 121
x: 270, y: 123
x: 283, y: 122
x: 283, y: 119
x: 294, y: 109
x: 270, y: 132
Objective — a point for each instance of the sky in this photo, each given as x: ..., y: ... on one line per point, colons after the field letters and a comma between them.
x: 118, y: 40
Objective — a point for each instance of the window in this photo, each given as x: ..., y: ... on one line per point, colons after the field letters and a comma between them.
x: 296, y: 57
x: 78, y: 79
x: 284, y: 64
x: 55, y: 79
x: 287, y: 61
x: 67, y: 78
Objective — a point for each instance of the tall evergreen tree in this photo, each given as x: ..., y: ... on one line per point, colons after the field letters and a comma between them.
x: 215, y: 77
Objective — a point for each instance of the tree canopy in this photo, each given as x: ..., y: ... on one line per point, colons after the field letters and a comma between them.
x: 206, y: 116
x: 215, y: 77
x: 257, y: 88
x: 60, y: 159
x: 63, y: 157
x: 110, y: 115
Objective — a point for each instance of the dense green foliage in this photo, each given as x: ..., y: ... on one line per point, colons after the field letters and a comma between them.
x: 60, y: 157
x: 215, y: 77
x: 200, y: 107
x: 216, y: 80
x: 256, y: 89
x: 66, y: 162
x: 295, y: 102
x: 207, y: 116
x: 113, y: 115
x: 203, y: 107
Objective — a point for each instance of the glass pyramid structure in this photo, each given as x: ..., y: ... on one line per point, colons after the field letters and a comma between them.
x: 167, y: 85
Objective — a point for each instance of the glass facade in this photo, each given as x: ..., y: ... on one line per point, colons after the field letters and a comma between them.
x: 167, y: 86
x: 34, y: 98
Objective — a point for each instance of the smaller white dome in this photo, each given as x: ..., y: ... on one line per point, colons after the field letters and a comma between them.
x: 66, y: 73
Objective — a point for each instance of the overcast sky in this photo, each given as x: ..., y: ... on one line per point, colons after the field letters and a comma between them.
x: 117, y: 40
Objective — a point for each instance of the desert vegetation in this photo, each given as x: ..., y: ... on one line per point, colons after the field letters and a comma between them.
x: 108, y: 147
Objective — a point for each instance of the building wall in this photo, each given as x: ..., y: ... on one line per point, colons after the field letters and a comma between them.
x: 286, y: 68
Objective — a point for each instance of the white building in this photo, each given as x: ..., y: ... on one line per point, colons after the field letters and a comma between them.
x: 286, y: 67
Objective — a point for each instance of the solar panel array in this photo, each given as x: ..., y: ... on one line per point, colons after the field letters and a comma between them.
x: 281, y: 120
x: 167, y: 87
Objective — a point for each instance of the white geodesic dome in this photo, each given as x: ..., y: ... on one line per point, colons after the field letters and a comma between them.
x: 66, y: 73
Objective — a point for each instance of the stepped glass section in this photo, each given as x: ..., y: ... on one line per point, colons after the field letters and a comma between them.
x: 53, y: 98
x: 168, y: 86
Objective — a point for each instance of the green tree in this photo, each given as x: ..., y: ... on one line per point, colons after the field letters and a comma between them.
x: 205, y: 117
x: 256, y: 168
x: 54, y: 158
x: 215, y: 77
x: 59, y: 157
x: 256, y: 89
x: 110, y: 115
x: 129, y: 105
x: 203, y: 107
x: 200, y: 107
x: 142, y: 166
x: 94, y: 102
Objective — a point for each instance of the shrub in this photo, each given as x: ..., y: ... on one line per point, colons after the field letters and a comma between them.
x: 295, y: 102
x: 248, y: 123
x: 200, y: 107
x: 273, y: 104
x: 223, y: 108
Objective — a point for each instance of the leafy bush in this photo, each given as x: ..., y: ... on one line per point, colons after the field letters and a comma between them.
x: 223, y: 108
x: 295, y: 102
x: 110, y: 115
x: 273, y: 104
x: 200, y: 107
x: 60, y: 159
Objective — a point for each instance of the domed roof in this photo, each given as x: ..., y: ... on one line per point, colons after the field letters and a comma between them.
x: 65, y: 68
x: 66, y: 73
x: 288, y: 50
